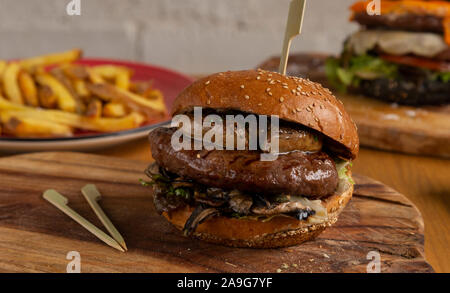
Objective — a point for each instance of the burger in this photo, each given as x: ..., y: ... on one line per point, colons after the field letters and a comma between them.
x: 400, y: 56
x: 232, y: 197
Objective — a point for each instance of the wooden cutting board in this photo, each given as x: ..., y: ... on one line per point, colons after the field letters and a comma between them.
x: 411, y: 130
x: 36, y: 237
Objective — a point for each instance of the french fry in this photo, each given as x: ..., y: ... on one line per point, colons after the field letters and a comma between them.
x: 47, y: 99
x: 10, y: 83
x: 140, y: 87
x: 154, y: 95
x: 58, y: 73
x: 3, y: 65
x: 94, y: 77
x: 75, y: 71
x: 66, y: 101
x: 28, y: 88
x: 114, y: 110
x: 123, y: 80
x: 109, y: 71
x: 130, y: 121
x: 50, y: 59
x: 139, y: 104
x: 80, y: 88
x: 32, y: 127
x: 94, y: 109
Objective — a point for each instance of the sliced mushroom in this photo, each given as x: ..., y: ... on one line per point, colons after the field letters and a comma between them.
x: 240, y: 203
x: 199, y: 215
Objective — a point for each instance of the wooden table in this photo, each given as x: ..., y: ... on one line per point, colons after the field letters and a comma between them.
x: 424, y: 180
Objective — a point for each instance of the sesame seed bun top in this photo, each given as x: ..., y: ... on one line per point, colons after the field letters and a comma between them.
x: 262, y: 92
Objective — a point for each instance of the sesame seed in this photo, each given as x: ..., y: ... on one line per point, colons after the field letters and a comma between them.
x: 258, y: 77
x: 298, y: 109
x: 247, y: 97
x: 270, y: 74
x: 268, y: 89
x: 270, y: 94
x: 208, y: 102
x: 293, y: 111
x: 198, y: 156
x: 293, y: 91
x: 281, y: 99
x: 285, y: 86
x: 260, y: 104
x: 308, y: 109
x: 208, y: 82
x: 242, y: 86
x: 272, y: 82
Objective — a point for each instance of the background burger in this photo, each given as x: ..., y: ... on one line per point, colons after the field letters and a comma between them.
x: 401, y: 56
x: 232, y: 197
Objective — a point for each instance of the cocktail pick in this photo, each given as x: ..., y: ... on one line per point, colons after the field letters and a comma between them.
x: 293, y: 28
x: 92, y: 195
x: 60, y: 202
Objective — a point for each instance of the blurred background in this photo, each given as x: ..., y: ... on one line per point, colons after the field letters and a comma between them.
x: 192, y: 36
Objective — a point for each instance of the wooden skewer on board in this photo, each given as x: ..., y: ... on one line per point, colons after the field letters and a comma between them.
x: 293, y: 29
x: 92, y: 195
x: 61, y: 202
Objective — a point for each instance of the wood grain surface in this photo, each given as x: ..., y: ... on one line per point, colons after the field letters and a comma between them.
x: 382, y: 125
x: 36, y: 237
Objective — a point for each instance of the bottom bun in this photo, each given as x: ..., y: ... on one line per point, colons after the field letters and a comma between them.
x: 280, y: 231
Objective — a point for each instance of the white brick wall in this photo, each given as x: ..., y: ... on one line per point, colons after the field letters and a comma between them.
x: 194, y: 36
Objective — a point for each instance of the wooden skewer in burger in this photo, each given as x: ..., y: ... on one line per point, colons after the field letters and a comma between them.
x: 233, y: 198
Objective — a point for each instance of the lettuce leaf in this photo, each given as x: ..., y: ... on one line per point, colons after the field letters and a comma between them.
x: 343, y: 167
x: 442, y: 76
x: 358, y: 68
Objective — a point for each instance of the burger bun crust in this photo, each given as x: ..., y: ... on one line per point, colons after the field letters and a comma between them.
x: 262, y: 92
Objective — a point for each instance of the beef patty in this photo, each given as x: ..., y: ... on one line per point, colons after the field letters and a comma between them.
x: 407, y: 22
x: 296, y: 173
x: 407, y: 92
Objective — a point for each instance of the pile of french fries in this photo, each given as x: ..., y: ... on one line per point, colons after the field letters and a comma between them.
x: 51, y: 96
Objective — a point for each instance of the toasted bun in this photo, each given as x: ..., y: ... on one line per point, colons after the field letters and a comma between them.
x: 268, y: 93
x: 280, y: 231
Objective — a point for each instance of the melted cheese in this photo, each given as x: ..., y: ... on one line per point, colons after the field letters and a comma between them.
x: 398, y: 42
